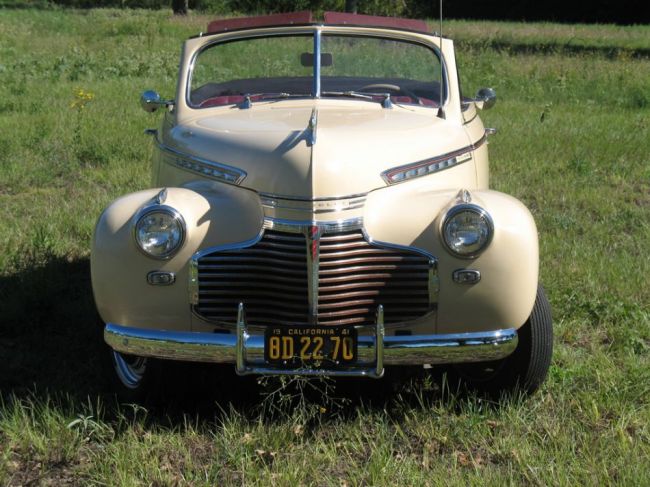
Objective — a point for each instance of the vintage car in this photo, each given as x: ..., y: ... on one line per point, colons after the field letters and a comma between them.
x: 321, y: 207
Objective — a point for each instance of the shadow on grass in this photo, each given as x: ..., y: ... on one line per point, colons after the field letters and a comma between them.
x: 557, y: 48
x: 51, y: 343
x: 51, y: 346
x: 50, y: 338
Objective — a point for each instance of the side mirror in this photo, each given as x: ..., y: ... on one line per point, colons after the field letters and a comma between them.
x: 485, y: 98
x: 150, y: 101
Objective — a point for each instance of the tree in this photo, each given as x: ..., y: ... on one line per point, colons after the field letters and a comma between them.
x: 180, y: 7
x: 351, y: 6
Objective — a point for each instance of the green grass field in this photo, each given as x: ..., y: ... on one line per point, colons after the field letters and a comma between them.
x: 573, y: 144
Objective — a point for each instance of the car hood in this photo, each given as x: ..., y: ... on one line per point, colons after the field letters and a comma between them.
x: 354, y: 142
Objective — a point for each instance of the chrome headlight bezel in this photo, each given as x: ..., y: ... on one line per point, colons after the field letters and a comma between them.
x: 177, y: 218
x: 455, y: 211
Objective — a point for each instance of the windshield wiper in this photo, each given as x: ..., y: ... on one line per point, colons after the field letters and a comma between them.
x: 247, y: 102
x: 363, y: 95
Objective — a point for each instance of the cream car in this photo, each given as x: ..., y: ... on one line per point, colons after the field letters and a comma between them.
x: 321, y: 207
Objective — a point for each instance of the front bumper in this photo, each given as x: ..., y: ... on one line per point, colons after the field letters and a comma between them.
x: 375, y: 351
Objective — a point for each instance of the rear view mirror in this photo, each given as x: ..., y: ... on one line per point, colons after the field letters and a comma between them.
x: 485, y: 98
x: 150, y: 101
x: 307, y: 59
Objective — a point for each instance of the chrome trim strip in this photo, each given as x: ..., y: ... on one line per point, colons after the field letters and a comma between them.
x: 351, y: 207
x: 230, y: 246
x: 407, y: 248
x: 204, y: 167
x: 471, y: 119
x: 312, y: 239
x: 302, y: 226
x: 319, y: 198
x: 397, y: 350
x: 414, y: 166
x: 316, y: 206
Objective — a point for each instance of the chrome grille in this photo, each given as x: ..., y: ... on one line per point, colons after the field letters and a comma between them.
x: 355, y: 277
x: 271, y: 278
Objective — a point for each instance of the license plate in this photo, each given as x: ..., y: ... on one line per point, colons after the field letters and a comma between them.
x: 310, y: 345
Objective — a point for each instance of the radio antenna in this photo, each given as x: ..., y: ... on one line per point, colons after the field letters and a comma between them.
x: 441, y: 112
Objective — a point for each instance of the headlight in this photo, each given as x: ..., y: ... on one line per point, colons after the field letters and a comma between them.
x: 467, y: 230
x: 159, y: 231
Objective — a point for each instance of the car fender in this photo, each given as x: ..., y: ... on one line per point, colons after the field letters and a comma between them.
x: 214, y: 214
x: 411, y: 215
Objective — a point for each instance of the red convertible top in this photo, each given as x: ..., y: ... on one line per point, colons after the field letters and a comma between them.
x: 306, y: 17
x: 260, y: 21
x: 340, y: 18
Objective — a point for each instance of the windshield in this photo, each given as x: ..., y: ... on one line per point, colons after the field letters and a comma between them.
x: 277, y: 67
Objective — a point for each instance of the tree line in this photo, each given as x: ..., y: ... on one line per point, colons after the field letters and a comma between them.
x: 587, y: 11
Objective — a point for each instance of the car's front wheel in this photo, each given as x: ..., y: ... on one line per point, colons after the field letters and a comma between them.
x: 526, y: 368
x: 136, y: 377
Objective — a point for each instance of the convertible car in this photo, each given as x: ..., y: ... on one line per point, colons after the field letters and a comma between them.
x: 321, y: 206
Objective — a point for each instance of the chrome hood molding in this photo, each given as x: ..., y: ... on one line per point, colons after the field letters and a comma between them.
x: 271, y: 145
x: 313, y: 205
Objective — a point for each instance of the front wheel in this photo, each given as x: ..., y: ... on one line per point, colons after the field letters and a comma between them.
x: 526, y: 368
x: 136, y: 378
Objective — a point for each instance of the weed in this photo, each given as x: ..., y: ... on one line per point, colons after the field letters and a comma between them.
x: 299, y: 398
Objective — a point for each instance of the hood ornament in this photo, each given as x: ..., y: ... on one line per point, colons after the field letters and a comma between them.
x: 161, y: 197
x: 313, y: 121
x: 464, y: 196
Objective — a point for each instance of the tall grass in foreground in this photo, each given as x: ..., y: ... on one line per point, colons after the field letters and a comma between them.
x: 573, y: 144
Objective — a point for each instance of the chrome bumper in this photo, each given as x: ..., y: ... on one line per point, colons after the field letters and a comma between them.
x: 375, y: 351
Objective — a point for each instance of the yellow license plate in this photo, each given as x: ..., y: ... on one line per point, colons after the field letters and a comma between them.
x: 307, y: 345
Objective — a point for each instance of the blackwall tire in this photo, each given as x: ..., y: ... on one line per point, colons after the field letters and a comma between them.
x: 526, y: 368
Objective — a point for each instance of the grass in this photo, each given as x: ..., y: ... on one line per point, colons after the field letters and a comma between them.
x: 610, y: 40
x: 573, y: 144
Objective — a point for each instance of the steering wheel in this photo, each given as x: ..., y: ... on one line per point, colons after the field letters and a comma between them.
x: 391, y: 87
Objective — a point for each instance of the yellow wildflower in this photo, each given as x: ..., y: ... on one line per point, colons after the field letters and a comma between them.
x: 81, y: 99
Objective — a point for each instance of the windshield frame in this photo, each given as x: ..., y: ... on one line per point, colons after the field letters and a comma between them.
x: 317, y: 32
